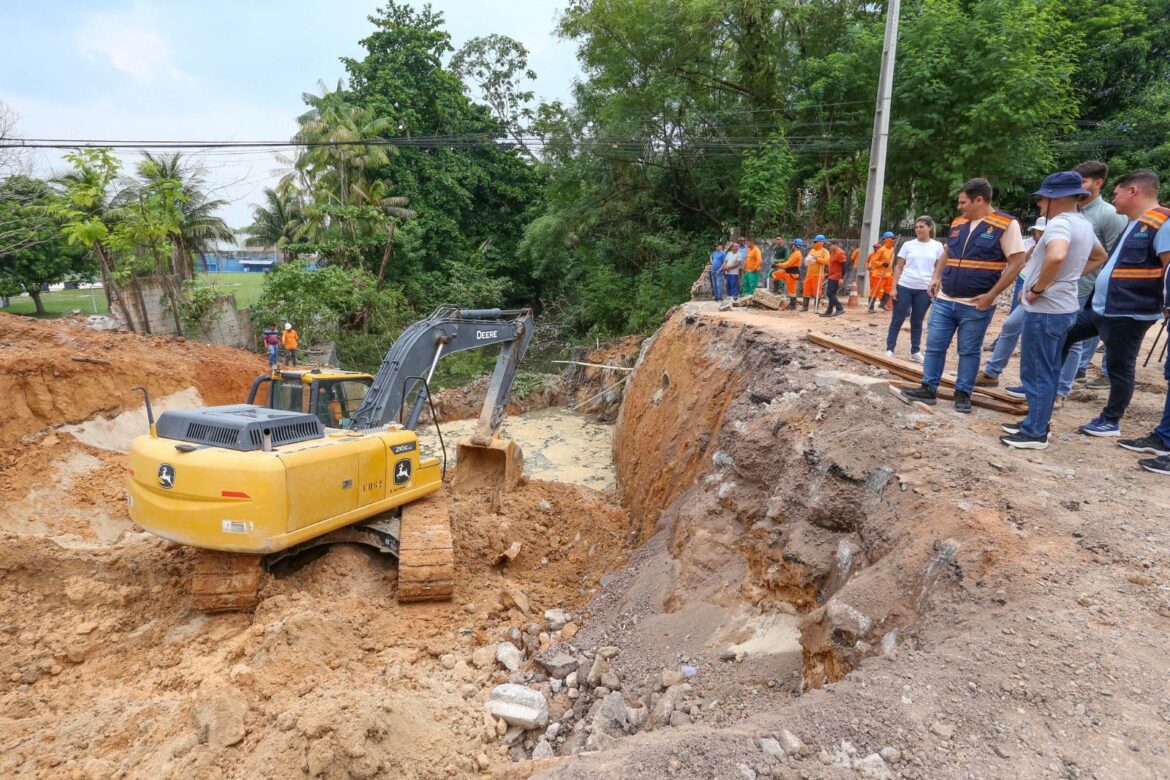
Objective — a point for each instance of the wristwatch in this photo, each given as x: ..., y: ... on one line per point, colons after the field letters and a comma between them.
x: 1034, y: 291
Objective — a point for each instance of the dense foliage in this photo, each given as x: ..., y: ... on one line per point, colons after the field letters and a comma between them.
x: 430, y: 176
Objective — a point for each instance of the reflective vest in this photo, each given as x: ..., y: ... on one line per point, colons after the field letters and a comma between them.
x: 1135, y: 283
x: 974, y: 266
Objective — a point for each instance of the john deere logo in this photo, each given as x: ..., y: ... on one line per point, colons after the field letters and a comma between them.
x: 166, y: 476
x: 402, y: 472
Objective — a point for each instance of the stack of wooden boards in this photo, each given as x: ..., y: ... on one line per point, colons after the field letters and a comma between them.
x: 984, y: 397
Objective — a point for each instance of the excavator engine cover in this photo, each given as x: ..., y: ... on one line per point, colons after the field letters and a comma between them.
x: 498, y: 464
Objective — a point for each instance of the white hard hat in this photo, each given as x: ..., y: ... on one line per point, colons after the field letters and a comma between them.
x: 288, y: 326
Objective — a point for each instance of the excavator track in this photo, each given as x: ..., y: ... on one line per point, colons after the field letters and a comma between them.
x: 426, y: 554
x: 225, y: 582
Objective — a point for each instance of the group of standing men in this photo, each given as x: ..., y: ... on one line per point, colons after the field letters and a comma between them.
x: 1088, y: 275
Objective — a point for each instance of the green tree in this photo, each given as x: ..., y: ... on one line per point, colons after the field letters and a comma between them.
x: 42, y: 257
x: 277, y: 221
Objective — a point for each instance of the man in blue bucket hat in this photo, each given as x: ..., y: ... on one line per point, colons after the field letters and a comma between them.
x: 1066, y: 248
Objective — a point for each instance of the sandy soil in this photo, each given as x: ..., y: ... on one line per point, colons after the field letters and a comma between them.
x: 108, y: 671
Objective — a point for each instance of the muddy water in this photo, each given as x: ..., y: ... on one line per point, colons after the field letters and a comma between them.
x: 558, y: 445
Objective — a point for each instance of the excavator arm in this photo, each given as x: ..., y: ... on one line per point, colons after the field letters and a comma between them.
x: 417, y: 352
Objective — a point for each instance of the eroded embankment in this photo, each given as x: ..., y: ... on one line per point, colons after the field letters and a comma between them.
x: 772, y: 480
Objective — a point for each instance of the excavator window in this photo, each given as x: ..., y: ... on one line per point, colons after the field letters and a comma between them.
x: 338, y: 399
x: 288, y: 395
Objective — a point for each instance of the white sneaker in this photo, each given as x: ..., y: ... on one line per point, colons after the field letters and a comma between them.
x: 889, y: 353
x: 918, y: 357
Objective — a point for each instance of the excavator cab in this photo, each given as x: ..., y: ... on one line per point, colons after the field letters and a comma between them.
x: 332, y: 395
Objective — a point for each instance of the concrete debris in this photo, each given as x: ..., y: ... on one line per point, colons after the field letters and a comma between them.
x: 508, y: 656
x: 512, y: 596
x: 509, y: 555
x: 219, y: 711
x: 543, y: 750
x: 611, y: 716
x: 791, y: 743
x: 556, y: 619
x: 518, y: 705
x: 771, y: 747
x: 873, y: 766
x: 559, y: 666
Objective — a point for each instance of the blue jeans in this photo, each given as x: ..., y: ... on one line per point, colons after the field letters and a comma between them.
x: 1005, y: 345
x: 717, y: 285
x: 1163, y: 429
x: 1016, y: 292
x: 1088, y: 349
x: 732, y: 285
x: 1040, y: 365
x: 970, y: 324
x: 912, y: 302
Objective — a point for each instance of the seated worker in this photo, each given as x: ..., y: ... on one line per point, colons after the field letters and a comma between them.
x: 329, y: 410
x: 787, y: 272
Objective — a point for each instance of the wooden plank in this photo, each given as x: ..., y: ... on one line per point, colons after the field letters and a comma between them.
x: 903, y: 368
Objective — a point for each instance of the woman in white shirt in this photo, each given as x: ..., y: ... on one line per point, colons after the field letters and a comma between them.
x: 912, y: 274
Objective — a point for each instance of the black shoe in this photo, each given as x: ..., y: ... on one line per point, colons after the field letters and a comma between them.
x: 962, y: 402
x: 1023, y: 442
x: 923, y: 393
x: 838, y: 313
x: 825, y: 314
x: 1011, y: 428
x: 1152, y: 444
x: 1158, y: 465
x: 791, y: 304
x: 1081, y: 374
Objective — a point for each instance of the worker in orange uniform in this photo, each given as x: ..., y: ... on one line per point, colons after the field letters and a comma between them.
x: 751, y: 268
x: 814, y: 269
x: 290, y: 340
x: 788, y: 272
x: 881, y: 271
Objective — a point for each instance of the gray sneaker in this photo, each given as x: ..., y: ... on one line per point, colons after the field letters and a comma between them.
x: 1151, y: 444
x: 1098, y: 383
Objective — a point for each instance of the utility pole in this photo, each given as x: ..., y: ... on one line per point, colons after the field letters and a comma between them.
x: 872, y: 213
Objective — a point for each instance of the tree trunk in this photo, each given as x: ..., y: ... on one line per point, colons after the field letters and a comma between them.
x: 137, y: 288
x: 173, y: 294
x: 386, y: 255
x: 111, y: 287
x: 34, y: 292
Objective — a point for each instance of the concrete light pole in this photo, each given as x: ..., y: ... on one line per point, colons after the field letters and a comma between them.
x: 872, y: 212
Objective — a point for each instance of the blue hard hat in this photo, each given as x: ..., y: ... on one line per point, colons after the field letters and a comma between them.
x: 887, y: 234
x: 818, y: 237
x: 797, y: 242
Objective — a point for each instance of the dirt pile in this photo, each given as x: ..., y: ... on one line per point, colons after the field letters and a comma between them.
x: 108, y: 672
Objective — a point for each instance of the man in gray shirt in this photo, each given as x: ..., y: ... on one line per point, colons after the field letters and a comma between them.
x: 1107, y: 225
x: 1050, y: 301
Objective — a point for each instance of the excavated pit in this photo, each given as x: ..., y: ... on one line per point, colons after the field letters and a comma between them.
x: 804, y: 578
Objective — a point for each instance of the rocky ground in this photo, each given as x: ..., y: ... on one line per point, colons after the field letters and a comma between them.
x: 798, y: 576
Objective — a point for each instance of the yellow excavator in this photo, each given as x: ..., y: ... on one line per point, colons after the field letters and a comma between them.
x: 333, y: 456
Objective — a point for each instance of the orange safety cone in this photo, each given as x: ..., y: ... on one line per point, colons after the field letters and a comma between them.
x: 852, y: 301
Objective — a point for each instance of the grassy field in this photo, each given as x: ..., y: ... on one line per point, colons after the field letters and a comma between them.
x: 245, y: 286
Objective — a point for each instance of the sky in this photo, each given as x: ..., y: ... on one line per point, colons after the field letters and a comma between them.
x: 216, y: 70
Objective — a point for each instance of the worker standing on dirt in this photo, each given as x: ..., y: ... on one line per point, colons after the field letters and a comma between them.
x: 835, y: 275
x: 814, y: 269
x: 1050, y: 301
x: 983, y: 253
x: 787, y: 272
x: 780, y: 252
x: 717, y: 258
x: 289, y: 340
x: 1127, y: 296
x: 272, y: 344
x: 880, y: 265
x: 731, y: 268
x: 751, y: 268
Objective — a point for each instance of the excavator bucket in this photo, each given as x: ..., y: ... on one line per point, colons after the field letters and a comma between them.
x: 498, y: 464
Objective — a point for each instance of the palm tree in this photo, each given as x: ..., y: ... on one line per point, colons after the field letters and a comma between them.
x: 195, y: 227
x: 276, y: 223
